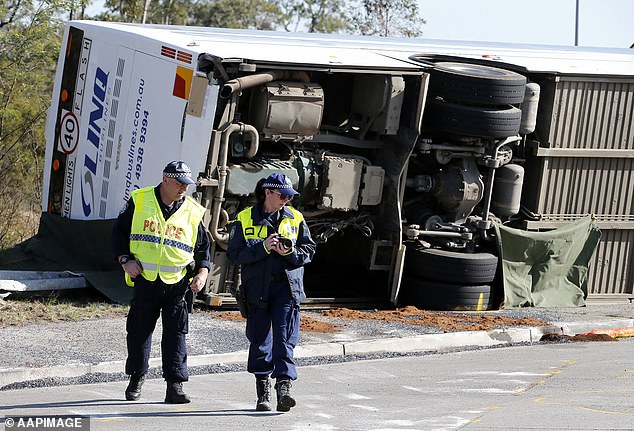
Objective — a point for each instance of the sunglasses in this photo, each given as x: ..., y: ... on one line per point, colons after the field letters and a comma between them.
x: 284, y: 198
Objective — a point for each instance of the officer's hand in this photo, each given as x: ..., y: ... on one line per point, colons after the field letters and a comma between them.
x: 132, y: 268
x: 280, y: 249
x: 271, y: 242
x: 199, y: 280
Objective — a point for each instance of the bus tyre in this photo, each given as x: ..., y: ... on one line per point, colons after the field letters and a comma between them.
x: 438, y: 296
x: 450, y: 266
x: 479, y: 121
x: 473, y: 83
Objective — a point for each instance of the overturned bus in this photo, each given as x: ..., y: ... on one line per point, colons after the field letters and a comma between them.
x: 409, y: 155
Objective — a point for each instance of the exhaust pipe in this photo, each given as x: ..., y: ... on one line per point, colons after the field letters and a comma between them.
x: 223, y: 238
x: 250, y: 81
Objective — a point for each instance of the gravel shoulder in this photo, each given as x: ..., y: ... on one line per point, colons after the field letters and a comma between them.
x: 42, y: 344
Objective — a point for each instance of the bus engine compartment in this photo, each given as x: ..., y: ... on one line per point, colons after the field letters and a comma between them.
x: 395, y: 168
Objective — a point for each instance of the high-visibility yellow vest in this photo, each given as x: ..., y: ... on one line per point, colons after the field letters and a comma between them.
x: 163, y: 247
x: 289, y: 227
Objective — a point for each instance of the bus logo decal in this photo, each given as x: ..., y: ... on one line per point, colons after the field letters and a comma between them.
x: 94, y: 132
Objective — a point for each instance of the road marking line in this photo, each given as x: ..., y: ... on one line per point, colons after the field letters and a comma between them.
x: 357, y: 397
x: 362, y: 407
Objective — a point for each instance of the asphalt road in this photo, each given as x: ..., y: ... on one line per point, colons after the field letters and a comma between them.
x: 564, y: 386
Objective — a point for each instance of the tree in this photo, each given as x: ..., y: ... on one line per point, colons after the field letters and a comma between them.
x: 252, y: 14
x: 170, y: 12
x: 123, y: 10
x: 370, y: 17
x: 30, y: 35
x: 322, y: 16
x: 167, y: 12
x: 388, y: 18
x: 316, y: 16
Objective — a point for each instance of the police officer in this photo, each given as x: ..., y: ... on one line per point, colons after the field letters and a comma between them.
x: 271, y: 242
x: 155, y: 239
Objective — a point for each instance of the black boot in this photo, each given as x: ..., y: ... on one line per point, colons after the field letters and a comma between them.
x: 133, y: 391
x: 263, y: 389
x: 284, y: 399
x: 174, y: 393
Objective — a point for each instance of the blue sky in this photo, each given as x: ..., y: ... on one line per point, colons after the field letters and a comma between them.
x: 602, y: 23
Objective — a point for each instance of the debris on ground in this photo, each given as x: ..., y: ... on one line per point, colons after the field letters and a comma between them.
x: 410, y: 315
x: 614, y: 332
x: 558, y: 338
x: 313, y: 325
x: 607, y: 334
x: 447, y: 320
x: 306, y: 323
x: 229, y: 315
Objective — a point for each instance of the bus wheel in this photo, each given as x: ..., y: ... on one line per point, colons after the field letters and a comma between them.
x: 473, y: 83
x: 435, y: 295
x: 485, y: 122
x: 450, y: 266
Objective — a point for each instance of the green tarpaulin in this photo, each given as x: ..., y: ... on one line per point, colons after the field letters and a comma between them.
x: 547, y: 269
x: 79, y: 246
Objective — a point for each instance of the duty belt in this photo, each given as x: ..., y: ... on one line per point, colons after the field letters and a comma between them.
x: 280, y: 276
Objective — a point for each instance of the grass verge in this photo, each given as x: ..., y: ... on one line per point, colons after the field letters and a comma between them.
x: 71, y: 305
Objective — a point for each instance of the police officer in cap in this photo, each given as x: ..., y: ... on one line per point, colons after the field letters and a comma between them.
x: 272, y: 243
x: 157, y: 239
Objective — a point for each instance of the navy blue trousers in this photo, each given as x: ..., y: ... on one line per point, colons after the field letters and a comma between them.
x: 273, y: 332
x: 151, y: 299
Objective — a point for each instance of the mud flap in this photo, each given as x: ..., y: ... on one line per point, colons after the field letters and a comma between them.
x: 398, y: 274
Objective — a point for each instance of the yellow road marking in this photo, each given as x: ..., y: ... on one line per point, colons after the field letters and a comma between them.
x: 542, y: 400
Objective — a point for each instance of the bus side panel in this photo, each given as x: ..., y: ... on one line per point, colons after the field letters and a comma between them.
x: 120, y: 119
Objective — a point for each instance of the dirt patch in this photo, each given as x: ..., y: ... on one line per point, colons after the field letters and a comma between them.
x: 305, y: 324
x: 314, y: 325
x: 448, y: 321
x: 230, y: 315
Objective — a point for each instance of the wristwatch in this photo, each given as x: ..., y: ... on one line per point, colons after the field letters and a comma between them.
x: 124, y: 259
